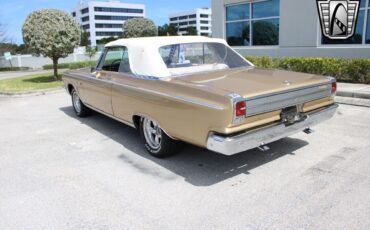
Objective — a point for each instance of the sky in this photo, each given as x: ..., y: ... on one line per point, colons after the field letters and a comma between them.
x: 14, y: 12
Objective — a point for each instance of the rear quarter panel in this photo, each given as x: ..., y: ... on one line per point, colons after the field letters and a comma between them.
x: 183, y: 113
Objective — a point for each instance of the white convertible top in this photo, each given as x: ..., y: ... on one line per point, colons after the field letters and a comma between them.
x: 144, y: 53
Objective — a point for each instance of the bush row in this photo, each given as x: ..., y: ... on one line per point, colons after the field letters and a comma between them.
x: 74, y: 65
x: 13, y: 68
x: 345, y: 70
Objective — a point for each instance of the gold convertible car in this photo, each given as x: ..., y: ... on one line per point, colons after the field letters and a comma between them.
x: 200, y: 91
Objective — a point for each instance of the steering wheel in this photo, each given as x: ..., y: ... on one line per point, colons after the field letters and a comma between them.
x: 115, y: 62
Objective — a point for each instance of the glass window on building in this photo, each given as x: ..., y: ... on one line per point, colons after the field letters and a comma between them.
x: 238, y: 12
x: 238, y: 33
x: 118, y: 10
x: 265, y: 32
x: 86, y: 27
x: 85, y: 11
x: 253, y: 24
x: 103, y: 25
x: 109, y: 34
x: 266, y: 9
x: 363, y: 3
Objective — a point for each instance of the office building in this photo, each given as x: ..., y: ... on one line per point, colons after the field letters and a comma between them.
x: 101, y: 19
x: 200, y: 18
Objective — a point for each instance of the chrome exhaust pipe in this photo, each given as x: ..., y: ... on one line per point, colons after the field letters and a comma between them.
x: 308, y: 131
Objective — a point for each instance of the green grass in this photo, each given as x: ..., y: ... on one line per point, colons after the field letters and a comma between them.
x: 29, y: 83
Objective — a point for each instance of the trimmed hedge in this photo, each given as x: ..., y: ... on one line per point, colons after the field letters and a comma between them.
x: 2, y: 69
x: 74, y: 65
x: 345, y: 70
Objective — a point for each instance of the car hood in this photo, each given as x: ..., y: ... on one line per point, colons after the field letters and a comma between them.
x: 251, y: 81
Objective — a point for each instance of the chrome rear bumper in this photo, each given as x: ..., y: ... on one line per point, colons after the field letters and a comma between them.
x: 253, y: 139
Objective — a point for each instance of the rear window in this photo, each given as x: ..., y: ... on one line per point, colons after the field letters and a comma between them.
x: 190, y: 58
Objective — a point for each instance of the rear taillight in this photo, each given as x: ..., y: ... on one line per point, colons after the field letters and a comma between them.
x: 333, y: 87
x: 241, y: 108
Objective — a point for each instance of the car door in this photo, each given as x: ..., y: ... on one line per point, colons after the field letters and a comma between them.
x: 121, y: 84
x: 97, y: 90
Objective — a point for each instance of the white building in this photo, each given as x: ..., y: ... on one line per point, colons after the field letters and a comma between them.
x: 101, y: 19
x: 200, y: 18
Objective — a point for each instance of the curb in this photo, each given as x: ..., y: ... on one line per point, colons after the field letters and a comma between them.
x: 32, y: 93
x: 353, y: 101
x: 353, y: 95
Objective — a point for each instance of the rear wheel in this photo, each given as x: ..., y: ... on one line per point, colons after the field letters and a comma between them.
x: 156, y: 142
x: 79, y: 107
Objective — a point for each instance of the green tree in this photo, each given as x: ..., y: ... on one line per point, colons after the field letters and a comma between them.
x: 104, y: 41
x: 173, y: 30
x: 51, y: 33
x: 22, y: 49
x: 191, y: 31
x: 139, y: 27
x: 90, y: 52
x: 84, y: 38
x: 167, y: 30
x: 163, y: 30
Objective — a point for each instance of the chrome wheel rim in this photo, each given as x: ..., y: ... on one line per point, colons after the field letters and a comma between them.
x: 152, y: 133
x: 76, y: 102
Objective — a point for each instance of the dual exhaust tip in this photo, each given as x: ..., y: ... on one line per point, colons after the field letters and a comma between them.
x: 264, y: 148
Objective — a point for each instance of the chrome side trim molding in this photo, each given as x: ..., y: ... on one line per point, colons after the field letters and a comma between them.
x: 110, y: 116
x: 170, y: 96
x: 254, y: 139
x: 114, y: 84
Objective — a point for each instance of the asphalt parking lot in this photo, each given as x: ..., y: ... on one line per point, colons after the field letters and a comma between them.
x: 58, y: 171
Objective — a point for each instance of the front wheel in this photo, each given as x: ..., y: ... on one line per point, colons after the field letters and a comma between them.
x: 79, y: 107
x: 156, y: 142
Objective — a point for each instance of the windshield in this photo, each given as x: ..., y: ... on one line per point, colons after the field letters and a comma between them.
x: 190, y: 58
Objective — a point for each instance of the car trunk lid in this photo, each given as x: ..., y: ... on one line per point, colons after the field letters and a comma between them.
x: 252, y: 82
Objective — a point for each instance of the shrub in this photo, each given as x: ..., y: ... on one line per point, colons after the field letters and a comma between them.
x: 2, y: 69
x: 345, y: 70
x: 74, y: 65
